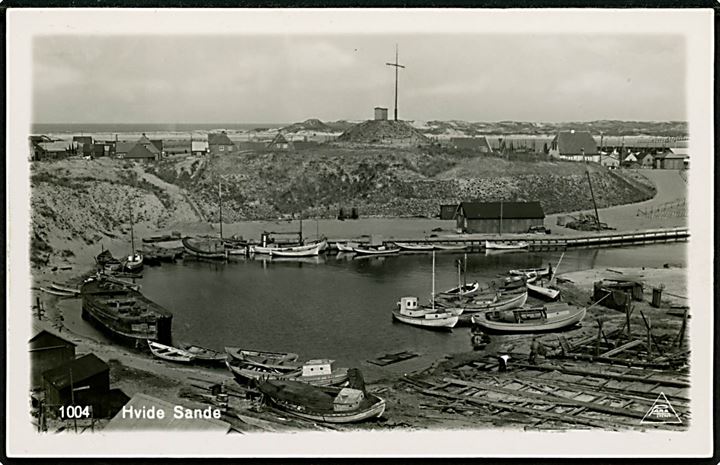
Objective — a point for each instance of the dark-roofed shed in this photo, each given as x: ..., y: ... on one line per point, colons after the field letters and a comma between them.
x: 499, y: 217
x: 84, y: 377
x: 48, y: 350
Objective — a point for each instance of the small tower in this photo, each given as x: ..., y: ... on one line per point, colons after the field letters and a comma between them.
x: 381, y: 114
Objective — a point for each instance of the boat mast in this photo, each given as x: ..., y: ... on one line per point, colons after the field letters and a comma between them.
x: 501, y: 212
x: 460, y: 284
x: 220, y: 197
x: 300, y: 233
x: 433, y: 282
x: 132, y: 234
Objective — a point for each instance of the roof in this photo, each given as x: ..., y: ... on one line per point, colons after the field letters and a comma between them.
x: 509, y: 210
x: 58, y: 146
x: 45, y: 340
x: 157, y: 143
x: 142, y: 151
x: 143, y: 140
x: 124, y: 147
x: 672, y: 154
x: 83, y: 139
x: 219, y: 139
x: 168, y: 423
x: 278, y: 139
x: 199, y: 145
x: 78, y: 370
x: 575, y: 142
x: 470, y: 142
x: 680, y: 151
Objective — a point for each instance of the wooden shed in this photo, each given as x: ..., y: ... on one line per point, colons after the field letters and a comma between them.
x: 86, y: 378
x: 499, y: 217
x: 48, y: 350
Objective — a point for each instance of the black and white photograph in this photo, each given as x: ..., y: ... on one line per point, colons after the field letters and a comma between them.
x: 278, y: 233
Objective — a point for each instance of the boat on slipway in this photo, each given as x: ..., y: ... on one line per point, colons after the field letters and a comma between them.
x: 498, y: 303
x: 273, y: 360
x: 170, y: 353
x: 321, y: 372
x: 208, y: 248
x: 551, y: 317
x: 123, y: 311
x: 349, y: 404
x: 502, y: 245
x: 546, y: 290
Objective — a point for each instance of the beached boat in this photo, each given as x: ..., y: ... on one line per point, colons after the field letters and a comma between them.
x: 64, y: 288
x: 320, y: 372
x: 324, y: 404
x: 205, y: 355
x: 547, y: 318
x: 379, y: 250
x: 546, y: 291
x: 123, y: 311
x: 305, y: 252
x: 347, y: 247
x: 170, y: 353
x: 58, y: 292
x: 208, y: 248
x: 273, y: 360
x: 513, y: 282
x: 414, y: 247
x: 539, y: 272
x: 107, y: 262
x: 501, y: 245
x: 498, y: 302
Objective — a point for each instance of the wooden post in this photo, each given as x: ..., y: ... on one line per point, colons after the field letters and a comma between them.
x: 681, y: 335
x: 627, y: 317
x: 649, y: 337
x: 597, y: 341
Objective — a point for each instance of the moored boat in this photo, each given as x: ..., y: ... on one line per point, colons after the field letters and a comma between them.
x: 408, y: 311
x: 414, y: 247
x: 346, y: 247
x: 305, y: 252
x: 123, y: 311
x: 170, y: 353
x: 449, y: 247
x: 540, y: 272
x: 324, y: 404
x: 133, y: 263
x: 269, y: 249
x: 379, y: 250
x: 502, y: 245
x: 274, y: 360
x: 547, y: 318
x: 208, y: 248
x: 321, y: 372
x: 465, y: 289
x: 497, y: 303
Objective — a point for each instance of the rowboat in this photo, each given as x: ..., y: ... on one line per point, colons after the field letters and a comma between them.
x: 169, y: 353
x: 540, y: 272
x: 317, y: 372
x: 517, y: 281
x: 458, y: 247
x: 274, y: 360
x: 498, y: 303
x: 347, y: 247
x: 548, y: 292
x: 506, y: 245
x: 465, y: 289
x: 408, y: 311
x: 107, y: 262
x: 381, y: 250
x: 205, y: 355
x: 208, y: 248
x: 414, y: 247
x: 295, y: 248
x: 58, y: 293
x: 324, y: 404
x: 305, y: 252
x: 64, y: 288
x: 546, y: 318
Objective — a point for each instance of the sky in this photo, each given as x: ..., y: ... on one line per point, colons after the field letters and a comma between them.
x: 287, y: 78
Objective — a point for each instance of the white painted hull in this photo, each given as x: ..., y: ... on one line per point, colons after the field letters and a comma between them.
x: 374, y: 412
x: 545, y: 292
x: 467, y: 289
x: 414, y: 247
x: 506, y: 246
x: 297, y: 248
x: 446, y: 322
x: 551, y: 324
x: 344, y: 248
x: 386, y: 251
x: 297, y: 253
x: 169, y: 353
x: 526, y: 271
x: 505, y: 304
x: 449, y: 247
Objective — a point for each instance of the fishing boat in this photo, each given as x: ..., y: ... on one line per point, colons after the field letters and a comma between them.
x: 513, y: 282
x: 273, y: 360
x: 498, y: 302
x: 547, y: 291
x: 58, y: 292
x: 465, y: 289
x: 321, y: 372
x: 379, y: 250
x: 123, y: 311
x: 170, y: 353
x: 349, y: 404
x: 270, y: 249
x: 501, y: 245
x: 547, y: 318
x: 107, y: 262
x: 133, y: 263
x: 305, y: 252
x: 414, y: 247
x: 346, y: 247
x: 207, y: 248
x: 449, y: 247
x: 204, y: 355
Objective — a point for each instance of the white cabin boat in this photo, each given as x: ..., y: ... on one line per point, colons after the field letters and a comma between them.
x: 410, y: 312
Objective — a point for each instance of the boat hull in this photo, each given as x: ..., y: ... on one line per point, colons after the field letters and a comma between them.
x: 544, y: 292
x: 169, y: 353
x: 375, y: 411
x: 362, y: 251
x: 491, y: 245
x: 448, y: 322
x: 547, y: 325
x: 248, y: 373
x: 196, y: 250
x: 414, y: 247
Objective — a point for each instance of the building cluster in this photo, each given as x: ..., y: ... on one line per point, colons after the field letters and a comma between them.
x: 60, y: 378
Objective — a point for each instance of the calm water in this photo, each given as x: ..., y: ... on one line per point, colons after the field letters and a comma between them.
x: 89, y: 128
x: 339, y: 307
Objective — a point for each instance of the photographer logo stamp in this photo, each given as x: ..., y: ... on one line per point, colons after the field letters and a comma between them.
x: 661, y: 412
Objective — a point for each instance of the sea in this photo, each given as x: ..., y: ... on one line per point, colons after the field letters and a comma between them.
x: 121, y: 128
x: 339, y: 306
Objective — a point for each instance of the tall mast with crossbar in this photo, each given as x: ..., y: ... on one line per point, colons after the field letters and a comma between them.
x: 396, y: 65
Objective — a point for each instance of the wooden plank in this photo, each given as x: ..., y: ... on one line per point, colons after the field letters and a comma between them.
x: 622, y: 348
x: 557, y: 400
x: 605, y: 375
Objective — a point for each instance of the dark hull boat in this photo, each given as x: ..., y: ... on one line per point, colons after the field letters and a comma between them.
x: 212, y: 249
x: 124, y: 312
